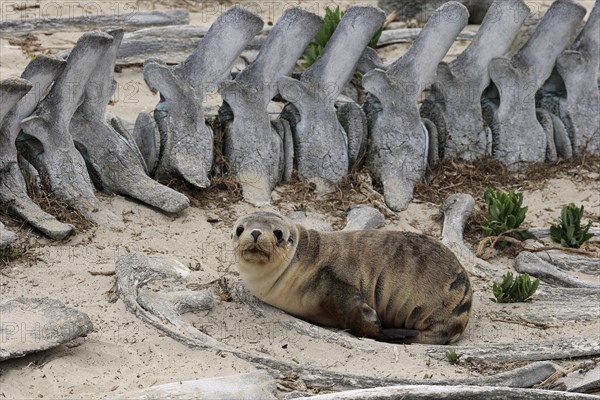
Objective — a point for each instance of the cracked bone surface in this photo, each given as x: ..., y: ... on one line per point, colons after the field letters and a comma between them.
x: 579, y: 105
x: 116, y: 165
x: 40, y: 73
x: 321, y: 147
x: 252, y: 146
x: 518, y: 137
x: 455, y: 103
x: 48, y: 144
x: 398, y: 149
x: 186, y: 140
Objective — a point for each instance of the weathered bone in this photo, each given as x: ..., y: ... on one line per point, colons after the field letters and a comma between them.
x: 320, y: 142
x: 459, y: 84
x: 574, y: 96
x: 114, y: 163
x: 535, y: 266
x: 579, y: 381
x: 49, y: 145
x: 186, y: 140
x: 41, y: 72
x: 398, y: 149
x: 364, y: 217
x: 518, y: 136
x: 252, y: 146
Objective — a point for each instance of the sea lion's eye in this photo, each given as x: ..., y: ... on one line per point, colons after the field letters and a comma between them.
x: 278, y: 234
x: 239, y: 230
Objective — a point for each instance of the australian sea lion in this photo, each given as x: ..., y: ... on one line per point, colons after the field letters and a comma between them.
x: 391, y: 286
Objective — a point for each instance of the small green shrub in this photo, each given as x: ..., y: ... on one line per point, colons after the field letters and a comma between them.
x: 332, y: 20
x: 452, y: 356
x: 513, y: 290
x: 569, y: 232
x: 505, y: 211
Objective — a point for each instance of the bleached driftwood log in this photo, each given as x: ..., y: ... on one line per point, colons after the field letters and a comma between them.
x: 398, y: 150
x: 457, y: 209
x: 40, y: 72
x: 321, y: 145
x: 128, y: 18
x: 186, y: 145
x: 253, y: 147
x: 527, y: 351
x: 48, y: 144
x: 535, y: 266
x: 454, y: 104
x: 36, y: 324
x: 518, y: 138
x: 114, y: 162
x: 458, y: 392
x: 135, y: 270
x: 572, y: 95
x: 250, y: 386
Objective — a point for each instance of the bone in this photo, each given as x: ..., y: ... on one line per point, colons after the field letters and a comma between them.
x: 518, y: 137
x: 320, y: 142
x: 535, y: 266
x: 545, y: 120
x: 6, y: 237
x: 147, y: 139
x: 129, y: 17
x: 252, y: 146
x: 398, y: 150
x: 186, y: 140
x: 49, y: 145
x: 354, y: 122
x: 571, y: 262
x: 41, y: 72
x: 459, y: 84
x: 364, y: 217
x: 579, y: 108
x: 579, y: 381
x: 115, y: 166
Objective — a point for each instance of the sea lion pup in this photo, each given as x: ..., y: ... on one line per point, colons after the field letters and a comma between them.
x: 385, y: 285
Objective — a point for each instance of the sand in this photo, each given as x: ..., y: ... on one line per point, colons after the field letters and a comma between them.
x: 123, y: 353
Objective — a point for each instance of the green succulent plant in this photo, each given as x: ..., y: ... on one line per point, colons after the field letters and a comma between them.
x: 569, y: 232
x: 514, y: 290
x: 505, y: 211
x: 332, y: 20
x: 452, y: 356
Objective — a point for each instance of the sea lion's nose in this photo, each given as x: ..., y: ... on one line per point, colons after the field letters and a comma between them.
x: 255, y: 235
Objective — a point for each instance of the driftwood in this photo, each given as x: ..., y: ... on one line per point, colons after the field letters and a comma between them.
x: 129, y: 18
x: 527, y: 351
x: 570, y: 262
x: 398, y: 150
x: 545, y: 232
x: 551, y: 305
x: 458, y: 392
x: 37, y: 324
x: 40, y: 72
x: 457, y: 209
x: 135, y: 270
x: 579, y: 381
x: 535, y: 266
x: 250, y: 386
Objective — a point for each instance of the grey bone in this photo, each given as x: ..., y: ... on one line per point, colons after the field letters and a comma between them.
x: 252, y: 146
x: 398, y: 150
x: 135, y: 270
x: 126, y: 18
x: 40, y: 72
x: 518, y: 136
x: 578, y: 105
x: 116, y: 165
x: 364, y: 217
x: 456, y: 92
x: 321, y: 147
x: 186, y: 148
x: 49, y: 145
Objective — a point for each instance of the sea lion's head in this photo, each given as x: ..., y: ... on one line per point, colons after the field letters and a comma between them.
x: 264, y: 238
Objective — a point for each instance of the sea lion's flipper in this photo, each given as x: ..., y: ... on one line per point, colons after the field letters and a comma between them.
x: 353, y: 313
x: 398, y: 334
